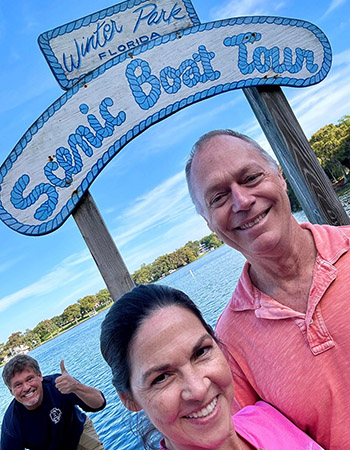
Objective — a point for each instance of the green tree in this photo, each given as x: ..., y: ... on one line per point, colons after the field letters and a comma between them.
x: 45, y: 329
x: 294, y: 202
x: 31, y: 338
x: 104, y: 297
x: 60, y: 320
x: 15, y: 340
x: 143, y: 275
x: 194, y: 246
x: 211, y: 241
x: 72, y: 313
x: 331, y: 146
x: 88, y: 304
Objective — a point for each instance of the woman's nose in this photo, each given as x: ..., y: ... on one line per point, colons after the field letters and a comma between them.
x: 195, y: 386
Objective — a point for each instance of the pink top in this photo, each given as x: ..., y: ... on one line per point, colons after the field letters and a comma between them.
x: 297, y: 362
x: 265, y: 428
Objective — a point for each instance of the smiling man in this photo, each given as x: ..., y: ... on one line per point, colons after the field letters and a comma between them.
x: 43, y: 414
x: 287, y: 325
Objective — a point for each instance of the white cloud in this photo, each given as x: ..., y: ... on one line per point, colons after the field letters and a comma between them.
x: 327, y: 99
x: 165, y: 203
x: 61, y: 275
x: 237, y: 8
x: 191, y: 227
x: 334, y: 4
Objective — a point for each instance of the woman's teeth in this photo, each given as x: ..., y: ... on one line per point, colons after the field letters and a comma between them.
x: 205, y: 411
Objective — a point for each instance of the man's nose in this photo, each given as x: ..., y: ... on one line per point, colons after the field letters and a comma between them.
x: 26, y: 386
x: 242, y: 198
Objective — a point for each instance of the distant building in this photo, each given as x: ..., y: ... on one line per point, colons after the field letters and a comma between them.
x: 19, y: 350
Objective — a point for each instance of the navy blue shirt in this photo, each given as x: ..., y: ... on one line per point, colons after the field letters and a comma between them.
x: 56, y: 424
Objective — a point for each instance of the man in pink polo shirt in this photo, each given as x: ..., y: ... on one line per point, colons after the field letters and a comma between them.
x: 287, y: 325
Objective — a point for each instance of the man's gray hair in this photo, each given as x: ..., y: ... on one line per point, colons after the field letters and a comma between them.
x: 16, y: 365
x: 205, y: 138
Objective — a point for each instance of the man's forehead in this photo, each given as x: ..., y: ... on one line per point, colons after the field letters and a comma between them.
x: 25, y: 371
x: 214, y: 158
x: 230, y: 145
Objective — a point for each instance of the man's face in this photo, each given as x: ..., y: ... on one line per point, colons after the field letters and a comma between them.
x: 26, y: 387
x: 242, y: 198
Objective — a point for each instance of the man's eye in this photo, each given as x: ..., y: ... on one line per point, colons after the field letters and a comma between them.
x: 252, y: 178
x: 217, y: 200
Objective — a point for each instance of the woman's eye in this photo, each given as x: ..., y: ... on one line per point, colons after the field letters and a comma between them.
x: 160, y: 378
x: 202, y: 351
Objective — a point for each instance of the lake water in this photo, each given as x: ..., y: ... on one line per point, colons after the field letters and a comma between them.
x: 214, y: 278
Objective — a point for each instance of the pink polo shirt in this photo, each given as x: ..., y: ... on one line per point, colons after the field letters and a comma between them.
x: 300, y: 363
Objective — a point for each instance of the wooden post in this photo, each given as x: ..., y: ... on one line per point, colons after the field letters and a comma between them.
x: 298, y: 161
x: 102, y: 247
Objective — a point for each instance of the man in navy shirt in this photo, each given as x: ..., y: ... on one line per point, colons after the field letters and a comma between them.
x: 44, y: 414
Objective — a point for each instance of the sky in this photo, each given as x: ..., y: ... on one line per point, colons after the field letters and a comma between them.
x: 141, y: 194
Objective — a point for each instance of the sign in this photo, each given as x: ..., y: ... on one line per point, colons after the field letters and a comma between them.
x: 58, y: 158
x: 76, y: 48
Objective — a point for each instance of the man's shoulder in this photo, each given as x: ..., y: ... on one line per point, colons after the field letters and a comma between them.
x: 11, y: 413
x: 50, y: 378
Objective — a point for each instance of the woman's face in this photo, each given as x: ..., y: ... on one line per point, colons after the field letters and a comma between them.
x: 181, y: 379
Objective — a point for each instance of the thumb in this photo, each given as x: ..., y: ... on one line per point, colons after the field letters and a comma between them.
x: 63, y: 368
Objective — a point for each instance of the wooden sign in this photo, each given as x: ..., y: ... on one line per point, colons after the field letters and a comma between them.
x: 76, y: 48
x: 58, y: 158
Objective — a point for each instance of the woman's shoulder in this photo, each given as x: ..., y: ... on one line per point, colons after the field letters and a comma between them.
x: 264, y: 426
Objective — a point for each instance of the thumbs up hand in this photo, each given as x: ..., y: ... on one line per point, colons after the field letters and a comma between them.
x: 65, y: 383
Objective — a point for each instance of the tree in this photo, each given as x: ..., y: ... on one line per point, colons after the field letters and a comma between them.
x: 60, y: 320
x: 45, y: 329
x: 88, y: 304
x: 15, y: 340
x: 143, y: 275
x: 194, y: 246
x: 331, y: 145
x: 72, y: 313
x: 104, y: 297
x: 31, y: 338
x: 211, y: 241
x: 294, y: 202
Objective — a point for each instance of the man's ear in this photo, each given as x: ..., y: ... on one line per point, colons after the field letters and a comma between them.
x: 207, y: 222
x: 129, y: 402
x: 283, y: 181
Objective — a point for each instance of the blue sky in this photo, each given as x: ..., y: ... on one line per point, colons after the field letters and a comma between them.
x: 141, y: 194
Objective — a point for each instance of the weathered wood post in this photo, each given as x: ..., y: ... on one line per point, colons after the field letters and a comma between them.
x: 102, y: 247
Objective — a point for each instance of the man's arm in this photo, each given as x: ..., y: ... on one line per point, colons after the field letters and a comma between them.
x: 66, y: 384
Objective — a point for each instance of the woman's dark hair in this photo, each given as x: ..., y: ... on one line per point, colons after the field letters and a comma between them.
x: 124, y: 319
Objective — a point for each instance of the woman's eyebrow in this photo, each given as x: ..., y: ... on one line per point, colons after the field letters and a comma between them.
x: 165, y: 367
x: 200, y: 342
x: 155, y: 369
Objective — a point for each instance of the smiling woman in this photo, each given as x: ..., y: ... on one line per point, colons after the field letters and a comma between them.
x: 166, y: 361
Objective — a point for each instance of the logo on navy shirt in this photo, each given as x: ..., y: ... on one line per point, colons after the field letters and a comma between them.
x: 55, y: 415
